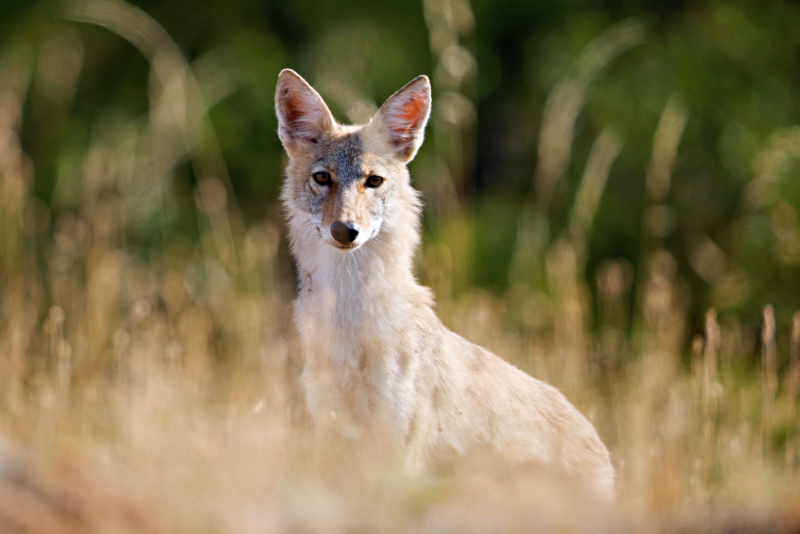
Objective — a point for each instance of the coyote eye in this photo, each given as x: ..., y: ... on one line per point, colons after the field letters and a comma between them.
x: 322, y: 178
x: 374, y: 181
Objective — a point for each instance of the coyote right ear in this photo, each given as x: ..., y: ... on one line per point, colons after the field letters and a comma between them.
x: 303, y: 116
x: 405, y: 114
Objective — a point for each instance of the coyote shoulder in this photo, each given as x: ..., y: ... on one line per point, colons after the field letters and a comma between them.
x: 375, y: 351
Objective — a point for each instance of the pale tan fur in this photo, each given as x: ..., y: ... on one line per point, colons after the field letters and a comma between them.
x: 376, y: 353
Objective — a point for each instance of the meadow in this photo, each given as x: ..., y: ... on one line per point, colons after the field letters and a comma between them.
x: 149, y: 370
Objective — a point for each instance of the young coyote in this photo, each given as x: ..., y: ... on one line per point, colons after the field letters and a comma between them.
x: 375, y: 351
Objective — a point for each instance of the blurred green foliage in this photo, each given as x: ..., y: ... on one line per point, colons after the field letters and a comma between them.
x: 729, y: 217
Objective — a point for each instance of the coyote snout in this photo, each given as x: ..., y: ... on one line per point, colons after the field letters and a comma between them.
x: 344, y: 233
x: 375, y: 350
x: 347, y: 219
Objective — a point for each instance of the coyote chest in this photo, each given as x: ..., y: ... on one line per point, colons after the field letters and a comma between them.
x: 350, y: 367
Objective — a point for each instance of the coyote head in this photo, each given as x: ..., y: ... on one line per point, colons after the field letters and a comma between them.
x: 347, y: 184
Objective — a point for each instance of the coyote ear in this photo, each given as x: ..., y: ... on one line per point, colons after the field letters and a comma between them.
x: 303, y: 116
x: 404, y: 116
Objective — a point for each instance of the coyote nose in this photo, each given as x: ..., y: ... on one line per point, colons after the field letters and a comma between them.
x: 344, y: 233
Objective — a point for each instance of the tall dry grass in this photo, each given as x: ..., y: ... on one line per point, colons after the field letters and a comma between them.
x: 159, y: 392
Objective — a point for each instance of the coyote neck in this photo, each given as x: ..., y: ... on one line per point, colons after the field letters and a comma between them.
x: 353, y: 303
x: 360, y: 279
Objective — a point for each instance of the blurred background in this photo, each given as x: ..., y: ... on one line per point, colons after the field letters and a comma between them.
x: 611, y: 202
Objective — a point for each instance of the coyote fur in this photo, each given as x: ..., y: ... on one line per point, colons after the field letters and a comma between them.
x: 375, y: 351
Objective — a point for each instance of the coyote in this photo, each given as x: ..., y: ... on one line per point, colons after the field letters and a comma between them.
x: 375, y: 351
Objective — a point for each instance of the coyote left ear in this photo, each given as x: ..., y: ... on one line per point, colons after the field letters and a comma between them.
x: 404, y: 116
x: 303, y: 117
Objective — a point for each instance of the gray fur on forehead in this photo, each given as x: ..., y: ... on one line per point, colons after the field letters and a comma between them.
x: 344, y: 155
